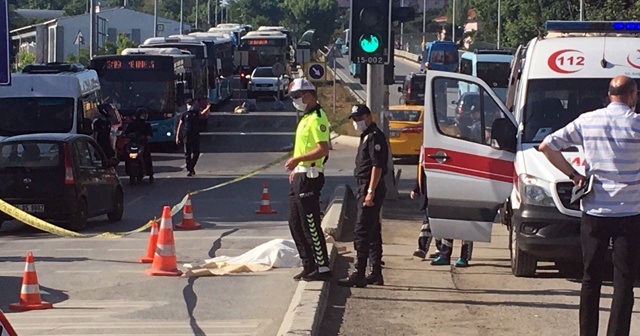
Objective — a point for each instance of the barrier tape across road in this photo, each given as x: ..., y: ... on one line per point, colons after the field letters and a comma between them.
x: 43, y: 225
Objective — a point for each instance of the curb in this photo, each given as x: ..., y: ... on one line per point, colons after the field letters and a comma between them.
x: 306, y: 311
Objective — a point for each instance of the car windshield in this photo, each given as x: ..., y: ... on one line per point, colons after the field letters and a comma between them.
x: 30, y: 154
x: 263, y: 72
x: 553, y: 103
x: 444, y: 57
x: 404, y: 115
x: 27, y: 115
x: 495, y: 74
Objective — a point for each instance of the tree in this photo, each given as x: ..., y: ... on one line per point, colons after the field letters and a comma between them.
x: 25, y: 58
x: 320, y: 15
x: 123, y: 42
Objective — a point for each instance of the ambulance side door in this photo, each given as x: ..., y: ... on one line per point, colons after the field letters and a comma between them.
x: 468, y: 151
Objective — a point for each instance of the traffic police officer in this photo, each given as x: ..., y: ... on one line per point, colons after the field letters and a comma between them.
x: 371, y: 166
x: 307, y: 179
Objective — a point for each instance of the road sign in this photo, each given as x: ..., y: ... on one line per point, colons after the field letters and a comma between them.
x: 79, y: 39
x: 5, y: 40
x: 278, y: 69
x: 316, y: 71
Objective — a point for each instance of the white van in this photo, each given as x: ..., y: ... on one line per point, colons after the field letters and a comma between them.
x: 50, y: 98
x: 492, y: 66
x: 496, y: 165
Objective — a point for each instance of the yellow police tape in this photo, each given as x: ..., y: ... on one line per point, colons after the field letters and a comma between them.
x: 56, y: 230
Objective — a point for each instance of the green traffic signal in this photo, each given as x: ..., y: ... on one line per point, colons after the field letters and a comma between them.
x: 369, y: 44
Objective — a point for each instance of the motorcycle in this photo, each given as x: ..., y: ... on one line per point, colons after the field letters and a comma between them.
x: 134, y: 158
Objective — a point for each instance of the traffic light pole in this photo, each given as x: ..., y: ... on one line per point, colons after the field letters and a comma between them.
x: 378, y: 101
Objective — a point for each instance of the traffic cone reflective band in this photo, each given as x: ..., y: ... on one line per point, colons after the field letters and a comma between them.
x: 5, y: 327
x: 164, y: 259
x: 265, y: 204
x: 151, y: 247
x: 188, y: 223
x: 30, y: 290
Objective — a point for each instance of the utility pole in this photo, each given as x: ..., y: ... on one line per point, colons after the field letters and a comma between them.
x: 215, y: 16
x: 197, y: 12
x: 155, y: 19
x: 581, y: 10
x: 424, y: 22
x: 453, y: 22
x: 208, y: 14
x: 181, y: 16
x: 92, y: 29
x: 401, y: 30
x: 499, y: 23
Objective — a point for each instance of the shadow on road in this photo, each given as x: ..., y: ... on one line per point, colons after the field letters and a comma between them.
x: 10, y: 293
x: 217, y: 244
x: 191, y: 301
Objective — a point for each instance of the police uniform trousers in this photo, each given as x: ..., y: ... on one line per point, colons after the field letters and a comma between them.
x: 304, y: 220
x: 368, y: 232
x: 191, y: 149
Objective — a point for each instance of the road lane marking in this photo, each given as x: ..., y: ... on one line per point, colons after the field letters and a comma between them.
x: 74, y: 249
x: 78, y: 271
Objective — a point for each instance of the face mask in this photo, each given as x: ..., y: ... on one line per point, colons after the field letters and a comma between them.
x: 360, y: 126
x: 299, y: 105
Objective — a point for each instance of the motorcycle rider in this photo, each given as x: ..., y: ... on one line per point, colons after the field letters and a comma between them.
x: 139, y: 124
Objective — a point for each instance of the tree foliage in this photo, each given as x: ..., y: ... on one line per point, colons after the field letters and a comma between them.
x: 523, y: 20
x: 25, y: 58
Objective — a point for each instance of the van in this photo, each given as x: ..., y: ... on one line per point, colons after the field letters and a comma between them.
x: 50, y: 98
x: 492, y: 66
x: 502, y: 176
x: 439, y: 55
x: 412, y: 90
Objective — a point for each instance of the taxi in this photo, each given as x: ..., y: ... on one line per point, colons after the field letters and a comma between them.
x: 405, y: 129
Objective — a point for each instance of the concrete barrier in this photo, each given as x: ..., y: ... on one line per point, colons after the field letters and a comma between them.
x: 407, y: 55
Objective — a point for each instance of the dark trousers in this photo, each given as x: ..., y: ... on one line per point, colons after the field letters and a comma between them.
x: 368, y: 232
x: 191, y: 150
x: 148, y: 162
x: 426, y: 236
x: 304, y: 220
x: 595, y: 233
x: 446, y: 249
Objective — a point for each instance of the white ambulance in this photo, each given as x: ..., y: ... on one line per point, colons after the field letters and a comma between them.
x: 50, y: 98
x: 488, y: 153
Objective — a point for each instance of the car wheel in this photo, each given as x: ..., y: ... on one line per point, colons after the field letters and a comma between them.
x: 118, y: 207
x: 78, y: 219
x: 523, y: 264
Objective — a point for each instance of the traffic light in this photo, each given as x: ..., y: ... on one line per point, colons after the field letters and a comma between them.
x: 370, y: 31
x: 389, y: 71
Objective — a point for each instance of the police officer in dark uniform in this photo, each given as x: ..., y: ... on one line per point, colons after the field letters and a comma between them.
x: 102, y: 130
x: 188, y: 132
x: 371, y: 167
x: 140, y: 125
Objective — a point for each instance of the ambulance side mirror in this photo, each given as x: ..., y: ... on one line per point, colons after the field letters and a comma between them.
x: 503, y: 135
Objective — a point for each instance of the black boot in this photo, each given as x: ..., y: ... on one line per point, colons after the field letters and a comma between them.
x: 305, y: 271
x: 357, y: 277
x: 375, y: 277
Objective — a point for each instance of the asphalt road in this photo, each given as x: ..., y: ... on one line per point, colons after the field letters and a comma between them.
x: 402, y: 69
x: 98, y: 287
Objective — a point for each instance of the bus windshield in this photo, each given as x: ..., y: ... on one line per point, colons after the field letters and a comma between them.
x: 157, y: 97
x: 27, y: 115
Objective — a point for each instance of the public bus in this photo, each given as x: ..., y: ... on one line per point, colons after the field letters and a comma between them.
x: 199, y: 76
x: 156, y: 80
x: 266, y: 48
x: 220, y: 66
x: 50, y: 98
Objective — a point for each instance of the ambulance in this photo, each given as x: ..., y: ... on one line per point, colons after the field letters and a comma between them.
x: 492, y: 170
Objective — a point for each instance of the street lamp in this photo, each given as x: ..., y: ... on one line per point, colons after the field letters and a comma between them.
x: 453, y: 22
x: 424, y: 22
x: 155, y: 19
x: 499, y: 24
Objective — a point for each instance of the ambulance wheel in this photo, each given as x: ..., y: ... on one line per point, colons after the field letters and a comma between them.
x: 523, y: 264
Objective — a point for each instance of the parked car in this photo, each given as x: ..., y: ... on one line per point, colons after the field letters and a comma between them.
x: 58, y: 176
x: 405, y: 129
x: 412, y: 90
x: 264, y: 82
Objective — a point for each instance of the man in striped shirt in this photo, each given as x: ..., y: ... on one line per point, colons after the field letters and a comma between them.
x: 611, y: 140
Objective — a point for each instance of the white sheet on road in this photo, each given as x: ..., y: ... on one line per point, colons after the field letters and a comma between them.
x: 278, y: 253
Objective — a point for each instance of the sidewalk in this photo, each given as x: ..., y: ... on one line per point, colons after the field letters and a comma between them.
x: 484, y: 299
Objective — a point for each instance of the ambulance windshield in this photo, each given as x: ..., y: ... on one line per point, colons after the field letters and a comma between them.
x: 553, y: 103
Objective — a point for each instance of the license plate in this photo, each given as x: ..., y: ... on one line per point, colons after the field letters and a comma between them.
x: 31, y: 208
x: 394, y: 134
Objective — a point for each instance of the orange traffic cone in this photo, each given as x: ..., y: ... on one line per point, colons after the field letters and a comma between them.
x: 265, y: 204
x: 6, y: 326
x: 164, y: 260
x: 151, y: 247
x: 30, y: 291
x: 188, y: 223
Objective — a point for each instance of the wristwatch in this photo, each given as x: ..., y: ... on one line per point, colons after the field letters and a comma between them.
x: 369, y: 191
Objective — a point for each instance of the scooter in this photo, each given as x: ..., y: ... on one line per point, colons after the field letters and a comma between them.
x: 134, y: 158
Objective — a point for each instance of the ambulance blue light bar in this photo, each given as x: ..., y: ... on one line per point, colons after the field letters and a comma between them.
x: 593, y: 26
